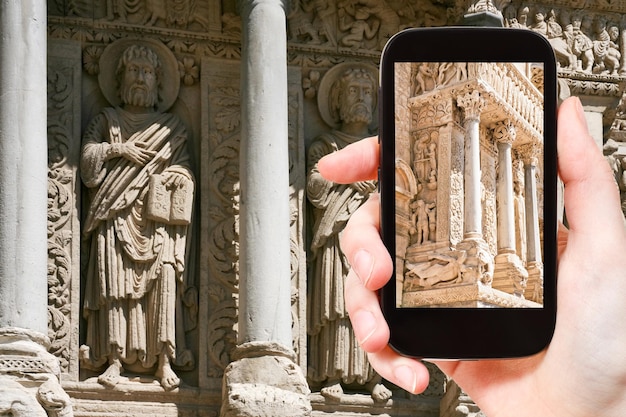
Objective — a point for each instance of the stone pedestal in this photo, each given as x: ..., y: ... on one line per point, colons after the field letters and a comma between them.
x: 29, y: 384
x: 509, y: 274
x: 263, y: 380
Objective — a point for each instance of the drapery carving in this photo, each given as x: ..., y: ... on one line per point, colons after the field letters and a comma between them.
x: 135, y: 163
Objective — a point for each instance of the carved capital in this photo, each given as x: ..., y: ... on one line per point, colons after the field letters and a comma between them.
x: 472, y: 104
x: 504, y: 132
x: 529, y: 153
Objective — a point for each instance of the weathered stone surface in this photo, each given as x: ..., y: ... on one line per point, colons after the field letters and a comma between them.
x: 205, y: 37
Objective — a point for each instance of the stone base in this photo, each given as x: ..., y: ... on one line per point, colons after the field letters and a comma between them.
x: 509, y: 274
x: 465, y: 296
x: 264, y: 380
x: 141, y: 398
x: 534, y: 288
x: 29, y: 383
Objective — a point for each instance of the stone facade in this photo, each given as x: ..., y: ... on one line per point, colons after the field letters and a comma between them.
x: 250, y: 84
x: 457, y: 243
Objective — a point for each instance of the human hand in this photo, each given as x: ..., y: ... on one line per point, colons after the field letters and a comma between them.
x: 582, y: 373
x: 136, y: 152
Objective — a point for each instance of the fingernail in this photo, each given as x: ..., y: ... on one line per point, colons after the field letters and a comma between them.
x: 363, y: 265
x: 580, y: 112
x: 406, y: 377
x: 364, y: 325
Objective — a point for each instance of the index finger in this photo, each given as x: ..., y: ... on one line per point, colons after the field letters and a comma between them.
x: 356, y: 162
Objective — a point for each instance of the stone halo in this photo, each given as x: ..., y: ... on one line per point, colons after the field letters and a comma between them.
x: 326, y: 85
x: 169, y: 83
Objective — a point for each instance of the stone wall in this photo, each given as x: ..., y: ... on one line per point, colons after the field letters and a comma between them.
x: 205, y: 40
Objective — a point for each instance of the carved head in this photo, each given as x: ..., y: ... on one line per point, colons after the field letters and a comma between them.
x: 138, y: 74
x: 353, y: 97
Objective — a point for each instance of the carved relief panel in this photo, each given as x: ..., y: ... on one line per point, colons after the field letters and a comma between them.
x: 64, y: 236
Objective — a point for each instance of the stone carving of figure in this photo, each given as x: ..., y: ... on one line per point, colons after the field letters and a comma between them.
x: 335, y: 358
x: 135, y: 163
x: 420, y: 217
x: 552, y: 30
x: 357, y: 26
x: 582, y: 46
x: 426, y: 77
x: 438, y: 270
x: 605, y: 50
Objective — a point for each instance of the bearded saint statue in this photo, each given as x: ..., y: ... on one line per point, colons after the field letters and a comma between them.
x: 135, y: 164
x: 335, y: 358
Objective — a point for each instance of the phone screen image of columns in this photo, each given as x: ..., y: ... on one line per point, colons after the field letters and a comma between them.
x: 468, y: 184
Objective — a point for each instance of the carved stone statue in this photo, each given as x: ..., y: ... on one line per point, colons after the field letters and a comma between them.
x: 335, y: 358
x: 135, y: 163
x: 440, y: 269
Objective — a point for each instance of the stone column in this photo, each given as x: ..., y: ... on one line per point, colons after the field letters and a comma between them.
x: 264, y: 379
x: 509, y: 275
x: 27, y: 370
x: 504, y: 135
x: 472, y: 104
x: 533, y: 242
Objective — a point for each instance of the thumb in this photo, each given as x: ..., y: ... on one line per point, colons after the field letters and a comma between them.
x: 591, y: 196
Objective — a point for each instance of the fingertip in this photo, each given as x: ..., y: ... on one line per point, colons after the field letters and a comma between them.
x: 407, y: 373
x: 356, y: 162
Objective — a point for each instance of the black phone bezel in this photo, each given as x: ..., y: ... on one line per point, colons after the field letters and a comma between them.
x: 469, y: 333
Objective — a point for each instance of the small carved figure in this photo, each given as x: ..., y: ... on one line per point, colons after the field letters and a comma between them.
x: 357, y: 27
x: 426, y: 77
x: 606, y: 52
x: 553, y: 31
x: 300, y: 24
x: 582, y: 46
x: 351, y: 106
x: 440, y: 269
x: 135, y: 164
x: 451, y: 72
x: 420, y: 218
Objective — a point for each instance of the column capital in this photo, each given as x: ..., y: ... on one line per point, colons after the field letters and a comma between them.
x: 472, y: 104
x: 504, y: 131
x: 529, y: 153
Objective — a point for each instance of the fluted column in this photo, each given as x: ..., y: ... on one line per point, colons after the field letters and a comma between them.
x: 472, y: 105
x: 264, y: 379
x: 26, y: 367
x: 504, y: 135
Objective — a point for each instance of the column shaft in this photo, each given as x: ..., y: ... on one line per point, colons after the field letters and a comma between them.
x: 23, y: 165
x: 472, y: 104
x: 265, y: 278
x: 533, y: 244
x: 505, y: 134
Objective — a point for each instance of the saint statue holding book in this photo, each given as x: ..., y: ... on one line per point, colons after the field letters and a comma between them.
x: 135, y: 164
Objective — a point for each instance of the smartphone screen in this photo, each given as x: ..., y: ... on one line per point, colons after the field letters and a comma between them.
x: 468, y: 192
x: 468, y: 182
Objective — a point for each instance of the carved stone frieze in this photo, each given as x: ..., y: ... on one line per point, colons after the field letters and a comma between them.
x: 63, y: 201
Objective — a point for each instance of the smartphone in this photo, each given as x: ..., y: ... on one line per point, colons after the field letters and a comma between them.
x: 468, y: 180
